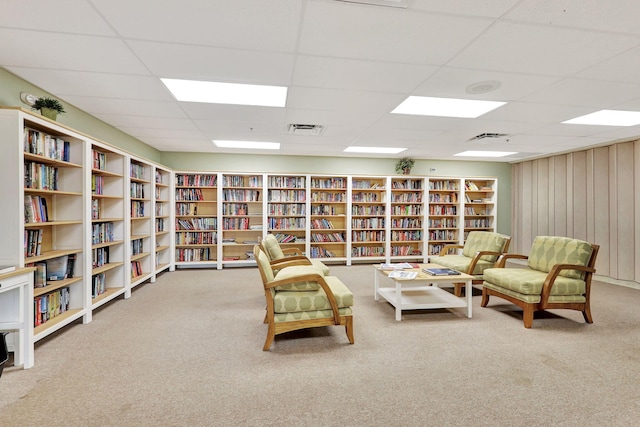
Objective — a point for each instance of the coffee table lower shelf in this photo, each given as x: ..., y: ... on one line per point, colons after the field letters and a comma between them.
x: 417, y: 294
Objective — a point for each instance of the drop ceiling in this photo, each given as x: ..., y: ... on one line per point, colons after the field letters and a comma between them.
x: 347, y: 66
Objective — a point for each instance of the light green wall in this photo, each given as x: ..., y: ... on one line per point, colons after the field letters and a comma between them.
x: 11, y: 86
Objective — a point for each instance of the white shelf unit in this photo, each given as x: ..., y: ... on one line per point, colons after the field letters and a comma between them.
x: 407, y: 219
x: 287, y: 210
x: 140, y: 249
x: 108, y: 229
x: 328, y: 233
x: 480, y: 196
x: 369, y: 219
x: 44, y: 163
x: 197, y: 212
x: 162, y: 221
x: 444, y: 223
x: 243, y: 219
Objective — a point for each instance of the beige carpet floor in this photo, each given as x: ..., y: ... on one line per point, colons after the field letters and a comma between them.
x: 187, y: 351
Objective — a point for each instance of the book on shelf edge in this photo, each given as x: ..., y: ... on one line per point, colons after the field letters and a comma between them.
x: 441, y: 271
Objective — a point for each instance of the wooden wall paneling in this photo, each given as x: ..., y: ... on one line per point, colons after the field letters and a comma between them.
x: 613, y: 208
x: 516, y: 207
x: 636, y: 169
x: 601, y: 203
x: 560, y: 195
x: 625, y: 218
x: 542, y: 199
x: 579, y: 181
x: 527, y: 232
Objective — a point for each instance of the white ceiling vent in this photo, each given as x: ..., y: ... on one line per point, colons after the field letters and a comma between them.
x: 487, y: 137
x: 305, y: 130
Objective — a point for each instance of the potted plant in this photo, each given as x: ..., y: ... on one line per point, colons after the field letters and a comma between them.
x: 404, y: 165
x: 49, y: 107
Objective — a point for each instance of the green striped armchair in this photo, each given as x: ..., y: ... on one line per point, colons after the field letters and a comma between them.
x: 557, y: 276
x: 480, y: 251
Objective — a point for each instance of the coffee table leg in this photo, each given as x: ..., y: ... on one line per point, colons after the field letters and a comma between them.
x: 398, y: 301
x: 376, y: 285
x: 468, y: 290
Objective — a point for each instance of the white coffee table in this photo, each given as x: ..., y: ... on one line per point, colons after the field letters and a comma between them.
x: 422, y: 292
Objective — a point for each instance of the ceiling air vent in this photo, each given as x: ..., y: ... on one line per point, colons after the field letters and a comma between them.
x: 305, y: 130
x: 488, y: 136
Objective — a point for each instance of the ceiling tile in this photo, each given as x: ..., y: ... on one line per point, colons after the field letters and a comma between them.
x: 385, y: 34
x: 534, y: 49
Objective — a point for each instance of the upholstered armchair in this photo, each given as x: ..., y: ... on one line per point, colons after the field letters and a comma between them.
x: 557, y: 276
x: 284, y: 257
x: 298, y: 300
x: 480, y: 251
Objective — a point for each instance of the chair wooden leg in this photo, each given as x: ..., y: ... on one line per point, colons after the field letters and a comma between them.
x: 271, y: 333
x: 349, y: 328
x: 457, y: 289
x: 586, y: 313
x: 485, y: 298
x: 527, y: 316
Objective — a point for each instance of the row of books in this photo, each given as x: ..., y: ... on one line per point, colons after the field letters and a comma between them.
x: 40, y: 176
x: 196, y: 223
x: 287, y: 223
x: 52, y: 270
x: 241, y: 195
x: 407, y: 184
x: 195, y: 254
x: 137, y: 171
x: 102, y: 232
x: 43, y: 144
x: 137, y: 209
x: 98, y: 160
x: 137, y: 190
x: 325, y: 196
x: 335, y: 183
x: 242, y: 181
x: 199, y: 180
x: 406, y: 198
x: 287, y: 195
x: 99, y: 257
x: 287, y: 181
x: 202, y: 238
x: 327, y: 237
x: 50, y: 305
x: 189, y: 194
x: 35, y: 209
x: 287, y: 209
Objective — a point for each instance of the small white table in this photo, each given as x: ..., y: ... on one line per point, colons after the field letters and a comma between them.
x: 422, y: 292
x: 16, y: 312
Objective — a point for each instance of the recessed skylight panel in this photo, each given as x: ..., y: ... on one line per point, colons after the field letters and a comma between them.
x: 247, y: 144
x: 446, y: 107
x: 227, y: 93
x: 485, y: 153
x: 608, y: 118
x: 374, y: 150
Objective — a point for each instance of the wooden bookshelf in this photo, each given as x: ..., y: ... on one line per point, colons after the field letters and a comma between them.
x: 243, y: 221
x: 162, y: 220
x: 287, y: 209
x: 479, y: 205
x: 141, y: 222
x: 444, y: 214
x: 328, y: 218
x: 369, y: 222
x: 407, y: 217
x: 196, y: 219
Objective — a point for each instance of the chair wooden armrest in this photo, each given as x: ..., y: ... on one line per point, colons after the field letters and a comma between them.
x: 551, y: 279
x: 502, y: 260
x: 290, y: 260
x: 292, y: 251
x: 312, y: 277
x: 476, y: 258
x: 445, y: 249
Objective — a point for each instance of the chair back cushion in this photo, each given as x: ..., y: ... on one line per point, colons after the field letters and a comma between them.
x: 271, y: 245
x: 548, y: 251
x: 484, y: 241
x: 264, y: 265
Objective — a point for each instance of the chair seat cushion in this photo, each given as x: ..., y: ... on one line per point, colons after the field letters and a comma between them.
x: 461, y: 263
x: 320, y: 265
x: 526, y: 281
x: 307, y: 315
x: 295, y: 301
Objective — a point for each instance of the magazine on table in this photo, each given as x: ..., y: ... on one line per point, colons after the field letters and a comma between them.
x: 441, y: 271
x: 401, y: 274
x: 397, y: 266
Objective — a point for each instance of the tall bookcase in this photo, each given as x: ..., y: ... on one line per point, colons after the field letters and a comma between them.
x: 141, y: 222
x: 287, y: 209
x: 242, y: 217
x: 108, y: 228
x: 328, y: 218
x: 44, y: 222
x: 196, y: 224
x: 407, y: 219
x: 444, y: 213
x: 369, y: 210
x: 162, y: 220
x: 479, y: 205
